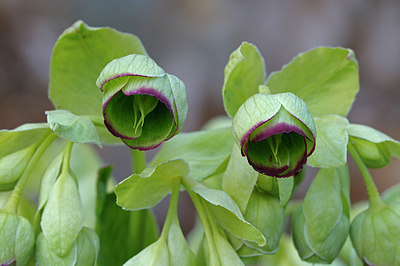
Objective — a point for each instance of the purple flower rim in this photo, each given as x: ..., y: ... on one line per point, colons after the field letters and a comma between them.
x: 143, y: 148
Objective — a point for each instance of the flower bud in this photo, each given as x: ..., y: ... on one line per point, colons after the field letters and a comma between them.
x: 16, y: 239
x: 275, y: 132
x: 87, y: 247
x: 374, y: 155
x: 142, y: 104
x: 375, y: 234
x: 12, y: 166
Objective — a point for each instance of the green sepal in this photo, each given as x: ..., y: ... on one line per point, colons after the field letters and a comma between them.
x: 78, y: 129
x: 204, y: 151
x: 13, y: 165
x: 325, y: 78
x: 144, y: 190
x: 17, y: 239
x: 243, y: 74
x: 87, y: 244
x: 63, y: 215
x: 44, y: 254
x: 374, y: 147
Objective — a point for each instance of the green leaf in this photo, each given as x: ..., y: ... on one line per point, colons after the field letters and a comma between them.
x: 78, y: 57
x: 12, y: 140
x: 123, y: 234
x: 87, y: 247
x: 325, y: 78
x: 225, y: 211
x: 204, y: 151
x: 63, y: 215
x: 226, y: 254
x: 244, y: 72
x: 44, y: 255
x: 239, y: 179
x: 323, y: 207
x: 144, y: 190
x: 392, y: 194
x: 71, y: 127
x: 331, y: 143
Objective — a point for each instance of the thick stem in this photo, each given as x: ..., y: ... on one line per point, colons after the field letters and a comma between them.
x: 172, y: 209
x: 13, y: 201
x: 67, y: 156
x: 138, y: 161
x: 373, y: 193
x: 204, y: 220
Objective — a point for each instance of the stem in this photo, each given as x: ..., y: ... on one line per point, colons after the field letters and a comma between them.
x: 172, y: 214
x: 373, y: 193
x: 67, y: 156
x: 204, y: 220
x: 13, y: 201
x: 138, y: 161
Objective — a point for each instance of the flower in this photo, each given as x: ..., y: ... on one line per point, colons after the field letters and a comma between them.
x: 375, y: 234
x: 142, y: 104
x: 16, y: 239
x: 275, y: 132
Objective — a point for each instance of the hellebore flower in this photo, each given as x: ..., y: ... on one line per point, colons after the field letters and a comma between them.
x: 275, y: 132
x: 375, y: 234
x: 16, y: 239
x: 142, y: 104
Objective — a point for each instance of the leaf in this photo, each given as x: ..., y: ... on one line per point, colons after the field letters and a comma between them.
x: 204, y: 151
x: 123, y: 234
x: 226, y: 254
x: 12, y: 140
x: 325, y: 78
x: 375, y: 136
x: 63, y: 215
x: 331, y: 143
x: 323, y: 205
x: 78, y: 57
x: 239, y: 179
x: 179, y: 251
x: 244, y: 72
x: 71, y: 127
x: 44, y: 255
x: 225, y: 211
x: 144, y: 190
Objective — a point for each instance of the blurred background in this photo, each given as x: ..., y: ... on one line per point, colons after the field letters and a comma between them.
x: 193, y: 39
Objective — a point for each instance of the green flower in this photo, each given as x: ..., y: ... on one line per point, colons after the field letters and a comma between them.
x: 275, y: 132
x: 375, y: 234
x: 142, y: 104
x: 16, y: 239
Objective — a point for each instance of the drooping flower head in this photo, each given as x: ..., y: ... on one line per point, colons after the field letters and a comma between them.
x: 142, y: 104
x: 275, y: 132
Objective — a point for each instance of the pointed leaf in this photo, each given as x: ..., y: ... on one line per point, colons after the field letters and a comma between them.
x: 71, y: 127
x: 144, y: 190
x: 331, y: 143
x: 155, y: 254
x: 44, y: 255
x: 325, y: 78
x: 244, y: 72
x: 179, y: 251
x: 285, y: 189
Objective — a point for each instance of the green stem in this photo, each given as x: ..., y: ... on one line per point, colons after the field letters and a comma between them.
x: 66, y: 157
x: 13, y: 201
x: 373, y: 193
x: 201, y: 210
x: 138, y: 161
x: 172, y: 214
